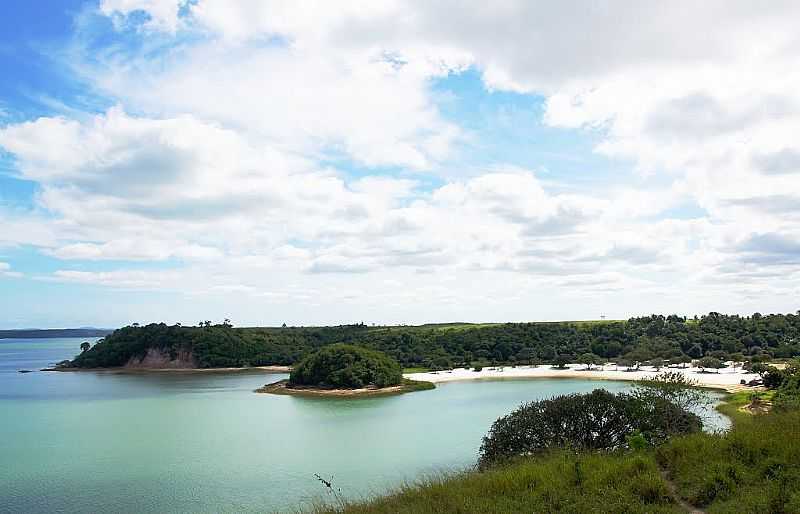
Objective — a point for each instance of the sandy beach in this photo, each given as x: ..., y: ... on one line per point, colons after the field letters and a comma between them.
x: 728, y: 378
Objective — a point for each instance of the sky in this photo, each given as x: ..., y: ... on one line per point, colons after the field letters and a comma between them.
x: 392, y: 161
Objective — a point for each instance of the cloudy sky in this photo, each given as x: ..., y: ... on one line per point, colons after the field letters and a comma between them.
x: 396, y: 162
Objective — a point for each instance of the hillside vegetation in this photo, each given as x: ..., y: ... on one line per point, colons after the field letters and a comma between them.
x: 753, y: 468
x: 672, y: 338
x: 558, y: 482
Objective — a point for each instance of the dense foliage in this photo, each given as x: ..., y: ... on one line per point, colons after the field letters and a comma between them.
x: 787, y: 397
x: 652, y: 338
x: 785, y: 383
x: 347, y: 366
x: 599, y: 420
x: 676, y: 388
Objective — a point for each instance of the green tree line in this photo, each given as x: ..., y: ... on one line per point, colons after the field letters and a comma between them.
x: 657, y: 338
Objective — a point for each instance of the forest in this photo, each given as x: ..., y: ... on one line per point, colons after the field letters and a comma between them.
x: 671, y: 338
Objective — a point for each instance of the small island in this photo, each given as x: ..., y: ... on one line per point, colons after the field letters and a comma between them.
x: 346, y: 370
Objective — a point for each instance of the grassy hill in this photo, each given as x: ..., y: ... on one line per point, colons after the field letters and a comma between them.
x: 754, y: 468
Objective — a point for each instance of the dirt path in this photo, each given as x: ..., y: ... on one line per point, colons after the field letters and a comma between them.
x: 673, y: 491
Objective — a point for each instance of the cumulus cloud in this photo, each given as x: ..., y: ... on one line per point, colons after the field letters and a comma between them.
x: 770, y: 248
x: 137, y: 188
x: 242, y: 106
x: 286, y: 81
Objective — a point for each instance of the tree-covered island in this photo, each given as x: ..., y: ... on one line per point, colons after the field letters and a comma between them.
x: 343, y: 369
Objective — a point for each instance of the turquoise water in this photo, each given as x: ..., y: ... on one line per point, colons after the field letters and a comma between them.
x: 204, y: 442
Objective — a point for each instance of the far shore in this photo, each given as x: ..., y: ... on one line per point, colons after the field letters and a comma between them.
x: 727, y: 379
x: 123, y: 369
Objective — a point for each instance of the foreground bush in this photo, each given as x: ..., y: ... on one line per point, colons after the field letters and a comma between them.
x: 599, y: 420
x: 347, y: 366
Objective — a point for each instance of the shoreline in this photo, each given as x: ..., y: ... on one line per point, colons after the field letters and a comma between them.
x: 727, y: 379
x: 282, y: 387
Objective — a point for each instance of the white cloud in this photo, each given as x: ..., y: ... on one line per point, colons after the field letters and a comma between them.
x: 303, y: 93
x: 241, y: 104
x: 6, y: 271
x: 145, y: 189
x: 20, y: 228
x: 120, y: 279
x: 163, y: 14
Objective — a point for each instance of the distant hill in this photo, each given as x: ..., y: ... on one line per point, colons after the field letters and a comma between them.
x: 653, y: 338
x: 36, y: 333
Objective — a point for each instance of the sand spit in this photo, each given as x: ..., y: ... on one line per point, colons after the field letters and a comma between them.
x: 728, y: 379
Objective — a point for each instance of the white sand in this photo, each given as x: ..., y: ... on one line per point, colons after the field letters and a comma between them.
x: 727, y: 378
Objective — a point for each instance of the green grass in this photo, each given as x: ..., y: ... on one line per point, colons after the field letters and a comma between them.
x: 593, y: 322
x: 460, y: 326
x: 472, y: 326
x: 432, y: 326
x: 560, y: 482
x: 417, y: 385
x: 732, y: 404
x: 753, y: 468
x: 416, y: 370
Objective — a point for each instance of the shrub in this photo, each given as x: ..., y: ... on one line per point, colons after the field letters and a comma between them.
x: 440, y: 363
x: 599, y: 420
x: 772, y: 376
x: 675, y: 387
x: 710, y: 362
x: 589, y: 359
x: 561, y: 361
x: 787, y: 397
x: 347, y: 366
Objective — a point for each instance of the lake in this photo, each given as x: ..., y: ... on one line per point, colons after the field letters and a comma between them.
x: 204, y: 442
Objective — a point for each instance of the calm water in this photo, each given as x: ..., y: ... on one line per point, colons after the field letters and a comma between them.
x: 94, y: 442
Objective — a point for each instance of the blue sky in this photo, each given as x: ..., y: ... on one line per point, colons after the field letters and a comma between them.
x: 177, y: 161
